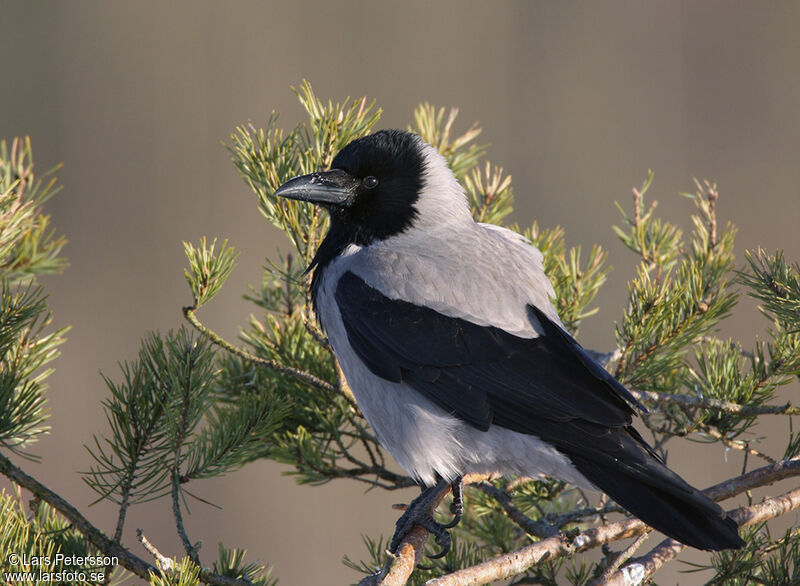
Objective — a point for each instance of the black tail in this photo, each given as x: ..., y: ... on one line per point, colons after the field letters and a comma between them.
x: 639, y: 481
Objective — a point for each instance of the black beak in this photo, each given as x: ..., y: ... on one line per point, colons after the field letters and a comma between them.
x: 334, y: 188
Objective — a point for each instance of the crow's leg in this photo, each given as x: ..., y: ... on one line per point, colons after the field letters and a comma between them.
x: 457, y: 506
x: 418, y: 513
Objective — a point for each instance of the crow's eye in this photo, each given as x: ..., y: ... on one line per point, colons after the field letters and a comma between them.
x: 370, y: 182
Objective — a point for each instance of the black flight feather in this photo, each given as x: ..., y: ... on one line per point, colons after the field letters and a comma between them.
x: 546, y: 386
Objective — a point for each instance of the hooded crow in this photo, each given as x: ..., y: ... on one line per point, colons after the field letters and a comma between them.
x: 445, y: 333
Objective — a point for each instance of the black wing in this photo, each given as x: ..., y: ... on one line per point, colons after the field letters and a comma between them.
x: 547, y: 386
x: 483, y: 375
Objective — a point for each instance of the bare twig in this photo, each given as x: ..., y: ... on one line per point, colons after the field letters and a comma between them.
x: 163, y: 561
x: 759, y: 477
x: 578, y: 514
x: 345, y: 389
x: 123, y: 509
x: 191, y: 550
x: 176, y: 477
x: 637, y: 207
x: 623, y: 557
x: 735, y: 444
x: 316, y: 333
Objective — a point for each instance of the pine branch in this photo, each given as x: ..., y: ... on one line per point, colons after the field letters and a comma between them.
x: 96, y: 537
x: 776, y: 284
x: 461, y: 152
x: 678, y: 296
x: 665, y: 399
x: 234, y: 435
x: 208, y: 270
x: 490, y: 194
x: 28, y: 245
x: 575, y: 283
x: 25, y: 351
x: 302, y: 376
x: 541, y: 528
x: 92, y: 534
x: 566, y: 544
x: 645, y: 566
x: 130, y: 465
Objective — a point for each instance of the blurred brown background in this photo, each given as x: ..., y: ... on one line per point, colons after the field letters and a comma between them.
x: 577, y: 99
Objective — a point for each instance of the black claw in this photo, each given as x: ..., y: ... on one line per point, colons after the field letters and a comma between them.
x: 417, y: 514
x: 455, y: 521
x: 444, y: 541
